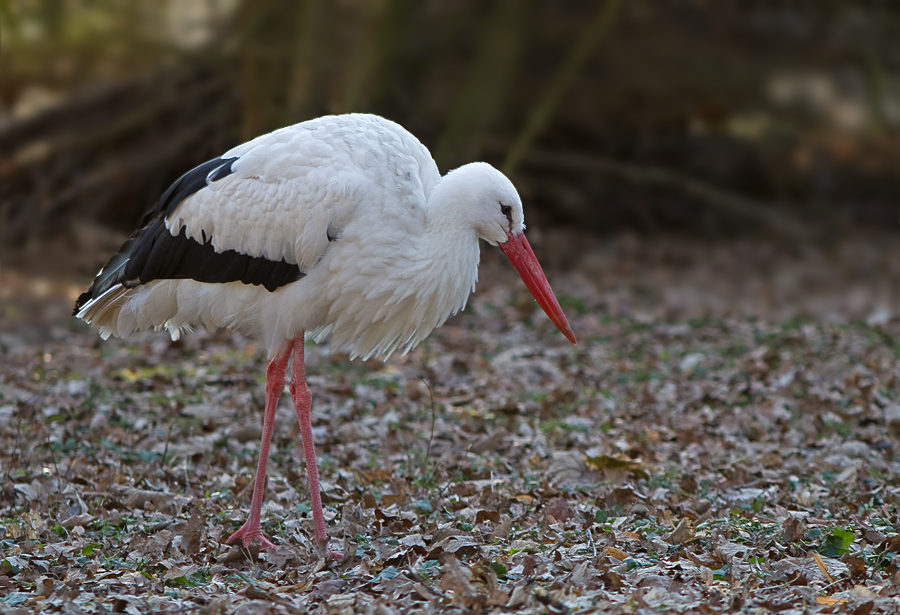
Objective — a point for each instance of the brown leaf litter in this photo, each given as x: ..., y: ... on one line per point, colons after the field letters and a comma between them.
x: 665, y: 465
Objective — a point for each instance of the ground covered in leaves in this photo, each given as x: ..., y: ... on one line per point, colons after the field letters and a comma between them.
x: 664, y: 465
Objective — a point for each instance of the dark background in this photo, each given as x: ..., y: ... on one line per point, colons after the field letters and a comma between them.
x: 626, y: 123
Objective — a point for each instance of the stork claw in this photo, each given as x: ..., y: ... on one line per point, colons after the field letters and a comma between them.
x: 247, y: 534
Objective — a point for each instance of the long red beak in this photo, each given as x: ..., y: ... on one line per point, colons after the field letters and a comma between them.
x: 523, y: 259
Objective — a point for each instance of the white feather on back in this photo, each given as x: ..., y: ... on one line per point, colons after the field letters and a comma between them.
x: 290, y: 186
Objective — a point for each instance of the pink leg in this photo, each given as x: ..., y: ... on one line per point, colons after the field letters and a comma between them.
x: 275, y: 378
x: 302, y: 404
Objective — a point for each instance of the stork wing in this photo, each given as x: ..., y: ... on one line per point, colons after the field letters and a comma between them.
x: 266, y: 211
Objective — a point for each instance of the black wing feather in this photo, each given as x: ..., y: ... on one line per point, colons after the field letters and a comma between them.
x: 153, y: 253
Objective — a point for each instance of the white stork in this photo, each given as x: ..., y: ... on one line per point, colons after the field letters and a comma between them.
x: 338, y: 228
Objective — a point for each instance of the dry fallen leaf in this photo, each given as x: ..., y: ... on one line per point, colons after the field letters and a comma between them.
x: 793, y: 529
x: 630, y: 467
x: 559, y: 509
x: 616, y: 553
x: 680, y: 534
x: 456, y: 580
x: 830, y: 601
x: 822, y: 567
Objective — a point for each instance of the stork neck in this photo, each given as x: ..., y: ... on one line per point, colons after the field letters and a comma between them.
x: 448, y: 234
x: 446, y: 208
x: 451, y: 244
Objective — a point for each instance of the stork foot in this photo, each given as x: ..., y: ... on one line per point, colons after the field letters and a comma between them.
x: 320, y: 545
x: 246, y: 535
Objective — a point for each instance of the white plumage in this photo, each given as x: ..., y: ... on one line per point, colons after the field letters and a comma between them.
x: 400, y: 264
x: 338, y: 228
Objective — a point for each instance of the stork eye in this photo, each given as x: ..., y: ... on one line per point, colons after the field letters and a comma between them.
x: 506, y: 210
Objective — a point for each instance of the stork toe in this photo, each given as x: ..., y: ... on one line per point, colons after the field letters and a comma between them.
x: 246, y: 535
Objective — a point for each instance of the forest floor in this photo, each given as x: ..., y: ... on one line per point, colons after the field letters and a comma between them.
x: 724, y: 437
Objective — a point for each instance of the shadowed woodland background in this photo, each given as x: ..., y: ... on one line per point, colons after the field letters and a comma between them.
x: 715, y: 121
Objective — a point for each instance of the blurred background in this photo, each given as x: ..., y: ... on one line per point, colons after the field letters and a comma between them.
x: 677, y: 158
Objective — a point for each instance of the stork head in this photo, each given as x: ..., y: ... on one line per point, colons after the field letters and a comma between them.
x: 493, y: 207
